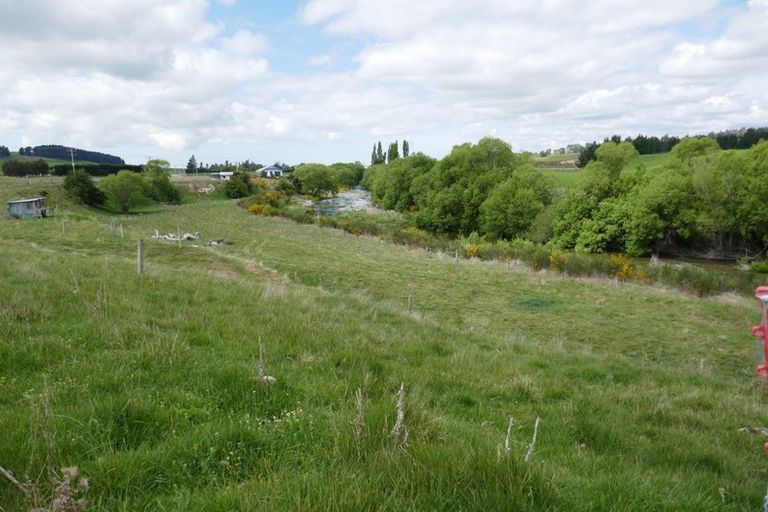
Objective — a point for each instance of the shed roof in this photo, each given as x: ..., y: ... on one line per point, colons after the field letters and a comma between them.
x: 25, y: 200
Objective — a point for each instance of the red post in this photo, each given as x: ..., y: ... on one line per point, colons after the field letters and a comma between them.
x: 761, y: 331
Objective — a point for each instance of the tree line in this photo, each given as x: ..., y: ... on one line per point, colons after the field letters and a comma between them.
x: 63, y: 153
x: 39, y: 167
x: 393, y: 152
x: 705, y: 201
x: 4, y: 152
x: 124, y: 190
x: 743, y: 138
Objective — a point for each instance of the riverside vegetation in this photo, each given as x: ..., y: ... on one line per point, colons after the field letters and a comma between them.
x: 155, y: 394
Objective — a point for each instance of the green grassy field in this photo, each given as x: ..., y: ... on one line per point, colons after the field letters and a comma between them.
x: 569, y: 178
x: 155, y: 393
x: 563, y: 178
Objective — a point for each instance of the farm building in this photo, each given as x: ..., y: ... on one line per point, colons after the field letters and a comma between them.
x: 270, y: 171
x: 221, y: 175
x: 28, y: 208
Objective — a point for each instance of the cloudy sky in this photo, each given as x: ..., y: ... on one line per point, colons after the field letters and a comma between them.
x: 322, y: 80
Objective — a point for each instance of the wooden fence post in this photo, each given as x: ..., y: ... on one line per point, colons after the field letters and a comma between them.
x: 140, y: 256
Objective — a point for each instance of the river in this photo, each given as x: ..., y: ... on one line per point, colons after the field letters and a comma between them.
x: 353, y: 200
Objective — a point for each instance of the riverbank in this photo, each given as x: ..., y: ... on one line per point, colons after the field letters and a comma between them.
x: 696, y: 278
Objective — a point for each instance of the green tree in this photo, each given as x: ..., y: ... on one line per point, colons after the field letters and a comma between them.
x: 79, y: 186
x: 391, y: 189
x: 392, y: 153
x: 512, y: 207
x: 406, y: 149
x: 581, y: 220
x: 127, y: 190
x: 448, y: 197
x: 157, y: 173
x: 348, y: 174
x: 316, y: 179
x: 587, y: 154
x: 192, y: 165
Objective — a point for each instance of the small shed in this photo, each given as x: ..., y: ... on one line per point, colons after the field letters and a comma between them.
x: 221, y: 175
x: 28, y: 208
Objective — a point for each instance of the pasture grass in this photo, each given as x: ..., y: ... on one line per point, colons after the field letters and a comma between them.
x: 563, y: 178
x: 154, y: 387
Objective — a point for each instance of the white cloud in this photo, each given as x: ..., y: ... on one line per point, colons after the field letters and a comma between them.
x: 143, y: 75
x: 127, y: 74
x: 244, y: 43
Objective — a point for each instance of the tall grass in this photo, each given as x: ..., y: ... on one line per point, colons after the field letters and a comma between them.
x: 156, y: 396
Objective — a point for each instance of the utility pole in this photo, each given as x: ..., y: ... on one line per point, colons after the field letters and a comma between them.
x: 72, y: 157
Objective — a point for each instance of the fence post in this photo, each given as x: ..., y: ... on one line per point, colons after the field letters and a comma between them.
x: 140, y: 256
x: 410, y: 303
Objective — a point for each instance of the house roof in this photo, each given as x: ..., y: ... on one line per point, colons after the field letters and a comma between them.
x: 270, y: 168
x: 25, y: 200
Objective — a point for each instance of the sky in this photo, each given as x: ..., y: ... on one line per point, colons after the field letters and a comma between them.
x: 323, y: 80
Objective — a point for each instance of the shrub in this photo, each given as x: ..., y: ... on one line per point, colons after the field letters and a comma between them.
x: 80, y: 187
x: 127, y: 190
x: 558, y: 261
x: 620, y: 267
x: 285, y: 186
x: 237, y: 187
x: 759, y: 266
x: 161, y: 188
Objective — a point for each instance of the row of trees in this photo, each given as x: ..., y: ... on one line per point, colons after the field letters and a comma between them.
x: 393, y: 152
x: 126, y: 189
x: 642, y: 144
x: 4, y: 152
x: 58, y: 152
x: 743, y: 138
x: 37, y: 167
x: 483, y: 188
x: 193, y: 166
x: 705, y: 201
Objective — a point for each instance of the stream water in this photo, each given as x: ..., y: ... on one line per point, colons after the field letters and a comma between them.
x: 352, y: 200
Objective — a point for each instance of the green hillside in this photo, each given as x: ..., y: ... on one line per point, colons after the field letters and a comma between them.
x: 568, y: 177
x: 155, y: 395
x: 51, y: 161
